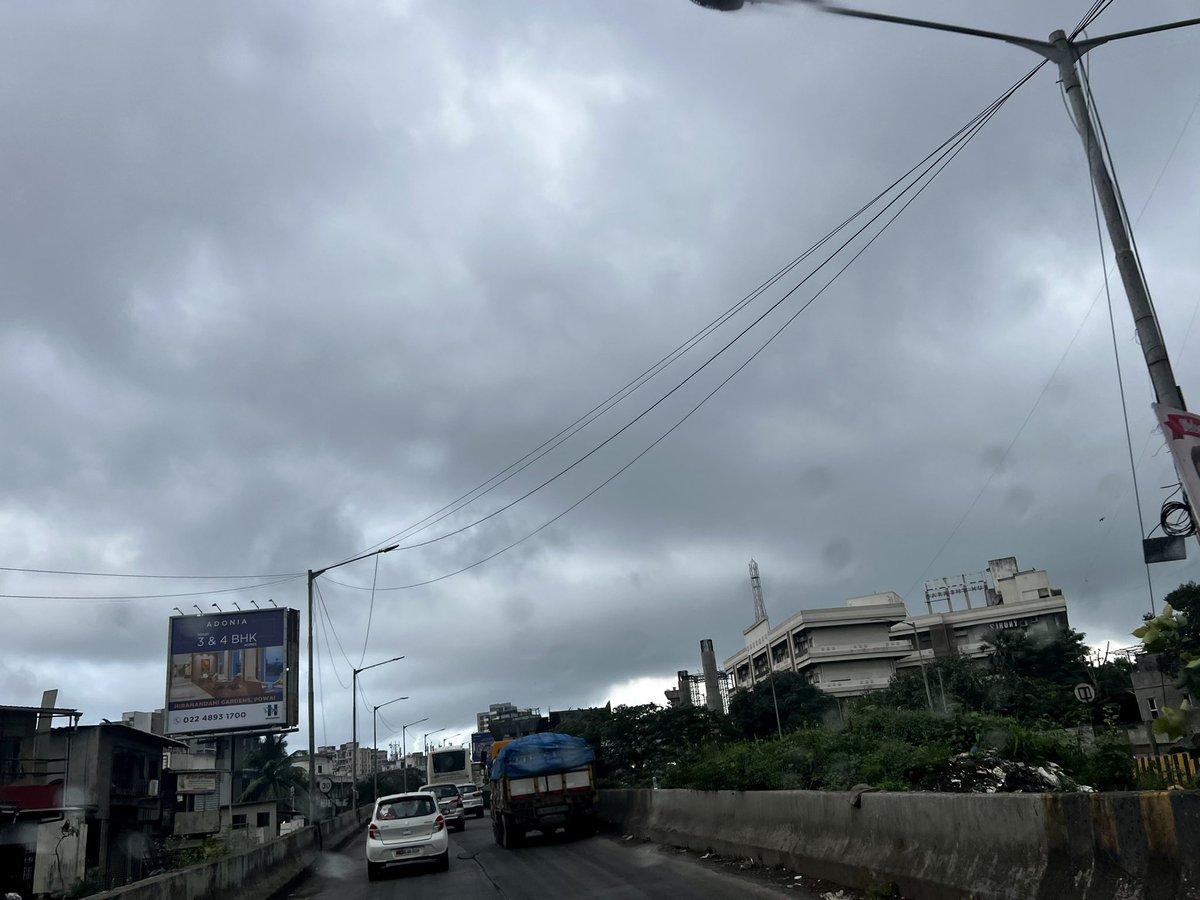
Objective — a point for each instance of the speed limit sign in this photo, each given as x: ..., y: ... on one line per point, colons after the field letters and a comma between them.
x: 1085, y: 693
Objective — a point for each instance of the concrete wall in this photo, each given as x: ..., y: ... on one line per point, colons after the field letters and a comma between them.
x: 252, y: 875
x: 942, y: 846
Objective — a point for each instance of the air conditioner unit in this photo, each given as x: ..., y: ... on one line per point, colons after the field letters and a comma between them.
x: 152, y: 788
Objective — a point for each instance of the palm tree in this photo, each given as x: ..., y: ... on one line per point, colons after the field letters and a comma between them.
x: 273, y: 776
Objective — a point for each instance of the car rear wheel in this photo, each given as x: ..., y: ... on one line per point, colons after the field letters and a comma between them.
x: 479, y: 812
x: 443, y: 862
x: 374, y: 870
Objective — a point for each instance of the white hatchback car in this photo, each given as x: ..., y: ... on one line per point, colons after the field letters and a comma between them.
x: 406, y: 829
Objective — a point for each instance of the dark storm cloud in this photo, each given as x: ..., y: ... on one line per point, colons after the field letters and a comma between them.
x: 281, y: 282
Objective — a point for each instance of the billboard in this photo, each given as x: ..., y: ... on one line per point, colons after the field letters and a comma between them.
x: 233, y: 671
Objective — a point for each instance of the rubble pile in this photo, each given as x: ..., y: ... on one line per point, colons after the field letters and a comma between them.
x: 988, y: 773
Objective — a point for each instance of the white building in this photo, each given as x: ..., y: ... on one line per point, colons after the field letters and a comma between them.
x: 853, y: 649
x: 844, y: 650
x: 1015, y: 600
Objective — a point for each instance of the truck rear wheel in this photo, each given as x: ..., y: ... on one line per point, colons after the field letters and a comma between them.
x: 510, y: 837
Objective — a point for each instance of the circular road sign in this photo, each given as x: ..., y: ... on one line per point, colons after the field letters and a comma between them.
x: 1085, y: 693
x: 325, y: 784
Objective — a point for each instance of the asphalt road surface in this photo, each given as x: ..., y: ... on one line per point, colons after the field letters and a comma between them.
x: 603, y: 866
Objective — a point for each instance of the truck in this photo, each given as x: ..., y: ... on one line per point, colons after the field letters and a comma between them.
x: 542, y: 782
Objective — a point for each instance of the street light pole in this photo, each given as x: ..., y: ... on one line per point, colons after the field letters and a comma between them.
x: 1065, y: 54
x: 404, y: 751
x: 375, y: 740
x: 354, y: 727
x: 313, y: 575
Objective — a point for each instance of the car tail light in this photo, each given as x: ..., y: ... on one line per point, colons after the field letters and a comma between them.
x: 438, y: 824
x: 373, y: 832
x: 458, y: 801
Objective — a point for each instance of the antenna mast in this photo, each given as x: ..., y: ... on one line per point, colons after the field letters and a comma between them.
x: 760, y: 608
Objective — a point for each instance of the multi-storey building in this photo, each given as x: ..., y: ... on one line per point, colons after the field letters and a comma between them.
x: 844, y: 650
x: 1015, y: 600
x: 853, y: 649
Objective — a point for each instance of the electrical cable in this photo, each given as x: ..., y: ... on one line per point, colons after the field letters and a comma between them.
x: 992, y: 109
x: 320, y: 694
x: 935, y: 170
x: 370, y: 613
x: 658, y: 367
x: 1112, y: 323
x: 134, y: 575
x: 111, y: 598
x: 327, y: 623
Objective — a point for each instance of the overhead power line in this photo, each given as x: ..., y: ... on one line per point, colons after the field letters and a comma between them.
x: 949, y: 150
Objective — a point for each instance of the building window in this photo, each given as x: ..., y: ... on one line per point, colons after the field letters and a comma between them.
x: 263, y: 820
x: 239, y: 820
x: 1152, y: 705
x: 800, y: 642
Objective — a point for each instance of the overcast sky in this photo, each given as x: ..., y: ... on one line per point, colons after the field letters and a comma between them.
x: 281, y: 280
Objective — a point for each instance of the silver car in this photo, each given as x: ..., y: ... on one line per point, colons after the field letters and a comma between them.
x: 450, y: 800
x: 472, y: 800
x: 406, y: 829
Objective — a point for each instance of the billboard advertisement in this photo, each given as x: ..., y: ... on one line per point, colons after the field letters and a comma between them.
x: 233, y: 671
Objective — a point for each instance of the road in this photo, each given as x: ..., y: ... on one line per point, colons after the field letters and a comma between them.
x: 605, y: 866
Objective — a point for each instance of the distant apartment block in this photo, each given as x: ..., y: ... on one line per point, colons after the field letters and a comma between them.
x: 856, y: 648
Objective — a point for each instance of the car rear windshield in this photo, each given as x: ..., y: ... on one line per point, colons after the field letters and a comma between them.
x: 443, y: 790
x: 408, y: 808
x: 467, y: 788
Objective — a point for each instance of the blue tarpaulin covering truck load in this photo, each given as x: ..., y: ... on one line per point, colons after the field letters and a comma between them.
x: 542, y: 782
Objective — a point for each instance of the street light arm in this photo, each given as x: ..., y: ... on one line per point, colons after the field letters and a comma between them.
x: 314, y: 573
x: 1045, y: 48
x: 389, y: 703
x: 1086, y: 45
x: 373, y: 665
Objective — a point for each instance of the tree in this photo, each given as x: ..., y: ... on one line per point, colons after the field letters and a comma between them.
x: 635, y: 744
x: 273, y: 775
x: 752, y: 712
x: 1174, y: 635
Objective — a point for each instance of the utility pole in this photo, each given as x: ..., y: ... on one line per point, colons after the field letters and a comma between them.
x: 1066, y: 53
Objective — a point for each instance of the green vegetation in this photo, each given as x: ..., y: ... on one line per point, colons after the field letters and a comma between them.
x: 273, y: 775
x: 1174, y: 635
x: 1014, y: 712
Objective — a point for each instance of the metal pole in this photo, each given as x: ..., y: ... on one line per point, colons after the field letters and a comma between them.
x: 404, y: 759
x: 374, y: 755
x: 312, y: 730
x: 775, y: 701
x: 1149, y: 336
x: 921, y: 660
x: 354, y: 743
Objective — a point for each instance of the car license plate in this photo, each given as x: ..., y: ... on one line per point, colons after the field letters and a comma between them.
x: 552, y: 810
x: 408, y: 851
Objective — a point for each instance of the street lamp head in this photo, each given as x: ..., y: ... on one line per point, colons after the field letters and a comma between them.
x: 721, y: 5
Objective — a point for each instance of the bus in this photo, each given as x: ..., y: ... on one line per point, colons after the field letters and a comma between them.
x: 448, y: 765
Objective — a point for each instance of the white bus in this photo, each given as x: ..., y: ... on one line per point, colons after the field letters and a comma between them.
x: 448, y: 765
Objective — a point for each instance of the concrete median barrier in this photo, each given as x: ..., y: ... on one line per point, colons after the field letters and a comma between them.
x: 251, y: 875
x: 1121, y: 846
